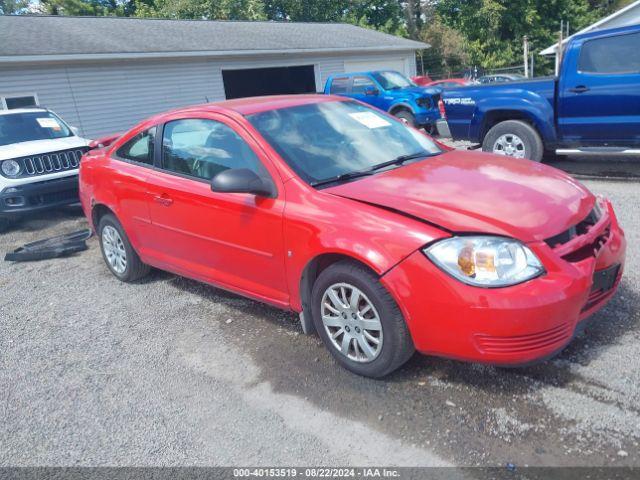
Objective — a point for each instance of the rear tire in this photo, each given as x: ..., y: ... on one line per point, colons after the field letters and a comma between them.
x: 388, y: 342
x: 514, y: 138
x: 117, y: 252
x: 406, y: 117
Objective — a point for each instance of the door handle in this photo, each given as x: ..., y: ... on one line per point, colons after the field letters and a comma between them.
x: 579, y: 89
x: 163, y: 200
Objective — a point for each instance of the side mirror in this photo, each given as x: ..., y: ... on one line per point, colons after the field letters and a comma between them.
x: 75, y: 130
x: 371, y: 91
x: 242, y: 180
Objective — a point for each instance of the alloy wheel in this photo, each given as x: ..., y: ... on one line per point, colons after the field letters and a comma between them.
x: 114, y: 250
x: 510, y: 145
x: 351, y: 322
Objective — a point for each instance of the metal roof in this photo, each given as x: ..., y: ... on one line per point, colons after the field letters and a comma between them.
x: 33, y: 37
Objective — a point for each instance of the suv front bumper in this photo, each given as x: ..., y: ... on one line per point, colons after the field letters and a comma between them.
x: 29, y: 197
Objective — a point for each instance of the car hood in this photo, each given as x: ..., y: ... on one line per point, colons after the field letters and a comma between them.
x: 35, y: 147
x: 420, y: 91
x: 464, y: 191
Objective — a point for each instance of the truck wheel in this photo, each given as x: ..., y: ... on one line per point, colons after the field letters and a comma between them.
x: 406, y: 117
x: 514, y: 138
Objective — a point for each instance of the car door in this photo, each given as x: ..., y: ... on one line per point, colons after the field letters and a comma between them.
x: 129, y: 167
x: 599, y: 90
x: 230, y: 239
x: 363, y: 88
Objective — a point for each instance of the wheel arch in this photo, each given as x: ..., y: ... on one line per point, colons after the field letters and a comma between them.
x: 99, y: 210
x: 397, y: 107
x: 314, y: 267
x: 494, y: 117
x: 531, y: 108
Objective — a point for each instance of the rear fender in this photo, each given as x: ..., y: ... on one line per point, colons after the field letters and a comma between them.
x: 525, y: 105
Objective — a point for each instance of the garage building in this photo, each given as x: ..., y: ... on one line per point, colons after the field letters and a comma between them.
x: 104, y: 74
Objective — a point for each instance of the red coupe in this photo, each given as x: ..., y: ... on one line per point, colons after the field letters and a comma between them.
x: 385, y: 241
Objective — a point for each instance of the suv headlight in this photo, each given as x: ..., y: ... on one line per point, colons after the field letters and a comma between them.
x: 485, y: 261
x: 10, y: 168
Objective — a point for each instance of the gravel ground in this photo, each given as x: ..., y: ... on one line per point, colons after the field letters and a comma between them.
x: 173, y: 372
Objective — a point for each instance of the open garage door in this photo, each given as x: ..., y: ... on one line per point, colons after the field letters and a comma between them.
x: 372, y: 64
x: 252, y: 82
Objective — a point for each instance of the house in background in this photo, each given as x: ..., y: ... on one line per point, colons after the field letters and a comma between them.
x: 629, y: 15
x: 104, y: 74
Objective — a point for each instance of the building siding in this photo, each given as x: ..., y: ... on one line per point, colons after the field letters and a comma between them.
x: 102, y: 98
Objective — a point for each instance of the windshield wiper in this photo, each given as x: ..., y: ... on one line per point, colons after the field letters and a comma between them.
x: 369, y: 171
x: 400, y: 160
x: 342, y: 177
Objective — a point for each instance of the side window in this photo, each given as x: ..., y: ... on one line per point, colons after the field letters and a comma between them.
x: 618, y: 54
x: 140, y: 148
x: 339, y: 85
x: 203, y: 148
x: 360, y: 84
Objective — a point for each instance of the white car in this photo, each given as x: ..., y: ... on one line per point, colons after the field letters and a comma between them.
x: 39, y: 159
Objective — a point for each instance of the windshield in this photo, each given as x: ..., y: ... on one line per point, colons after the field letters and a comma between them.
x: 322, y: 141
x: 25, y: 127
x: 391, y: 80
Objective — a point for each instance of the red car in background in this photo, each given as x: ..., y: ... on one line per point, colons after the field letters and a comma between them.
x: 450, y: 83
x: 384, y: 240
x: 422, y: 80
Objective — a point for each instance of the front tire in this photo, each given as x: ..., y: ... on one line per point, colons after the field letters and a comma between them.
x: 514, y: 138
x: 358, y: 320
x: 406, y: 117
x: 117, y: 252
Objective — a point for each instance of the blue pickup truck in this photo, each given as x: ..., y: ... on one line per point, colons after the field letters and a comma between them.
x: 591, y: 107
x: 392, y: 92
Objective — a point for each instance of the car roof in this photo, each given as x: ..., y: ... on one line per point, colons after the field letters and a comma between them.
x: 22, y: 110
x: 367, y: 72
x: 250, y: 105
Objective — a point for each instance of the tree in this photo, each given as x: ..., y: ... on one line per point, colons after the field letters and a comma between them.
x: 448, y: 52
x: 86, y: 7
x: 13, y: 7
x: 494, y: 28
x: 201, y: 9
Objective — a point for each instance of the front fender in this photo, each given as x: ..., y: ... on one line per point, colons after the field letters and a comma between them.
x: 521, y: 102
x: 319, y: 223
x: 404, y: 104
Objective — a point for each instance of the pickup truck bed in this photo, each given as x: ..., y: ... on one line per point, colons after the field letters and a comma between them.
x: 592, y: 106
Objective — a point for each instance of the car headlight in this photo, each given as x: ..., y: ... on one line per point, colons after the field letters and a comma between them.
x: 424, y: 102
x: 11, y: 168
x: 485, y: 261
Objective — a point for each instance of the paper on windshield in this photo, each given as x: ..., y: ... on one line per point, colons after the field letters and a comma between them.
x: 49, y: 123
x: 370, y: 119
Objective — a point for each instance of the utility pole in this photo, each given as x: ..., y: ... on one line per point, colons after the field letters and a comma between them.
x: 532, y: 64
x: 526, y: 55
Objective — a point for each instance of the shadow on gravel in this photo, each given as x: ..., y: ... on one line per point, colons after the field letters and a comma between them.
x: 44, y: 219
x: 450, y: 406
x: 604, y: 328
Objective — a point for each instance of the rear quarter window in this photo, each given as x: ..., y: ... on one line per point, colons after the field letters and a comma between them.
x: 339, y: 85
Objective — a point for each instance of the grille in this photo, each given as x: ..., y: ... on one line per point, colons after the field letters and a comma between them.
x: 578, y: 229
x: 524, y: 343
x: 51, y: 162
